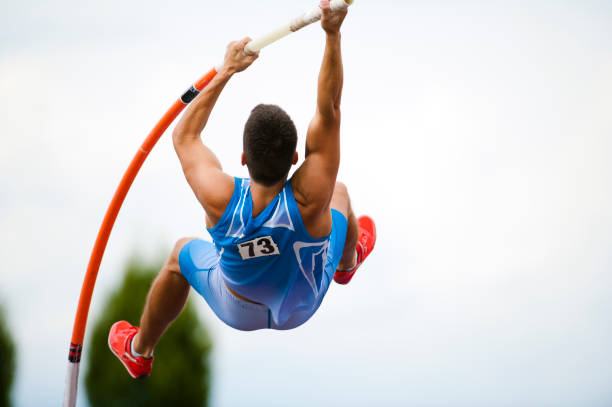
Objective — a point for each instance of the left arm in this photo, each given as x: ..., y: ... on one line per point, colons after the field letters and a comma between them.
x: 212, y: 187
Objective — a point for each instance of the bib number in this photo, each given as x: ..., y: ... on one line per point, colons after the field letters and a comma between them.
x: 262, y: 246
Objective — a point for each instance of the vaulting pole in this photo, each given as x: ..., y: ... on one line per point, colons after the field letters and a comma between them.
x: 80, y: 322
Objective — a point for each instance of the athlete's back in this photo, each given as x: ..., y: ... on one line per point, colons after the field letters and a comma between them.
x: 271, y: 259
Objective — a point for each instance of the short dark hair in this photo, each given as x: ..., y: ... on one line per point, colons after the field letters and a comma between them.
x: 269, y: 143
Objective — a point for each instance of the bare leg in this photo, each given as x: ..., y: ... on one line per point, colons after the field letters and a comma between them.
x: 342, y: 203
x: 165, y: 302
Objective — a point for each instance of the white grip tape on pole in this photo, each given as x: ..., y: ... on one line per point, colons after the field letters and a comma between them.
x: 267, y: 39
x: 315, y: 15
x: 294, y: 25
x: 72, y: 382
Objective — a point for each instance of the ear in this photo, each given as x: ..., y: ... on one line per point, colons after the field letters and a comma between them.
x: 295, y: 158
x: 243, y: 159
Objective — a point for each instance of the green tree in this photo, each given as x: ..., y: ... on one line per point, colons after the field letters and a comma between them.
x: 7, y: 362
x: 181, y: 372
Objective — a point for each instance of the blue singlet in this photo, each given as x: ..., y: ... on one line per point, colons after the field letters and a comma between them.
x: 270, y: 259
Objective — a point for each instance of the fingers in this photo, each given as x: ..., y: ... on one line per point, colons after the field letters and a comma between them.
x: 239, y: 45
x: 237, y: 58
x: 245, y: 41
x: 243, y: 47
x: 325, y: 6
x: 251, y: 56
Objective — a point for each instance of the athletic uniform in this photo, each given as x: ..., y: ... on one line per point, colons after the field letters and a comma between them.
x: 270, y: 259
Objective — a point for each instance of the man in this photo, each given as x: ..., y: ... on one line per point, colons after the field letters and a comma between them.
x: 277, y: 243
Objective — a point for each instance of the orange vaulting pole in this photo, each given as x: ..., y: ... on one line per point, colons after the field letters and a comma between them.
x: 80, y: 322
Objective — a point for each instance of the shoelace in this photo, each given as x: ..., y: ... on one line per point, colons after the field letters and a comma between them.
x: 363, y: 242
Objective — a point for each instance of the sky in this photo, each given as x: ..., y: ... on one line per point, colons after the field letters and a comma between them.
x: 477, y: 134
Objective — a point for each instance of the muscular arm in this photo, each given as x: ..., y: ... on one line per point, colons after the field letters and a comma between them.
x: 323, y: 134
x: 314, y: 181
x: 212, y: 187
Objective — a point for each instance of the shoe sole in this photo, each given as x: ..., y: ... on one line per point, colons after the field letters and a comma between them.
x: 144, y: 376
x: 344, y: 280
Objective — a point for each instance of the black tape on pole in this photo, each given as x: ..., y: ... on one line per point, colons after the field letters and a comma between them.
x: 189, y: 95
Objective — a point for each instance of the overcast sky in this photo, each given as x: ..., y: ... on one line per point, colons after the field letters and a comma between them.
x: 476, y: 133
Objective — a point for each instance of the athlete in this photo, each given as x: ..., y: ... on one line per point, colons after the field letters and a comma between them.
x: 278, y: 243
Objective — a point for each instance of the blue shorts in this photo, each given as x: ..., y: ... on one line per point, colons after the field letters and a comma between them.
x: 199, y: 263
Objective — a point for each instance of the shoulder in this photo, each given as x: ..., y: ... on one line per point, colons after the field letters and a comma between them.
x: 217, y: 199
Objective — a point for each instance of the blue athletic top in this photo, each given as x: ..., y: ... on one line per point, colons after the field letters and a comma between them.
x: 270, y: 259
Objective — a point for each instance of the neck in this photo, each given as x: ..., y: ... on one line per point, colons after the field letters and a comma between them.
x: 263, y: 195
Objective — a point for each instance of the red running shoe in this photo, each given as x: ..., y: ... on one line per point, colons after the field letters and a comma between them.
x: 120, y: 343
x: 365, y: 245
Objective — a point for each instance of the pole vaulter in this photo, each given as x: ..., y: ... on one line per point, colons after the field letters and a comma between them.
x: 80, y: 323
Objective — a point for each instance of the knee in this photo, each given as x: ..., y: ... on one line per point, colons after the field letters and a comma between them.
x: 340, y: 200
x: 173, y: 260
x: 340, y: 189
x: 178, y: 246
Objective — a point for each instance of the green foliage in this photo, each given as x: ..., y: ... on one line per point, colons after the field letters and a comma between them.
x: 181, y: 373
x: 7, y: 362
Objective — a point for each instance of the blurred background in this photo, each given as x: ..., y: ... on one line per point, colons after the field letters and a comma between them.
x: 476, y: 133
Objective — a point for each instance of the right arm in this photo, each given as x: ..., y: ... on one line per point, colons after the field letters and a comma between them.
x: 212, y: 187
x: 314, y: 181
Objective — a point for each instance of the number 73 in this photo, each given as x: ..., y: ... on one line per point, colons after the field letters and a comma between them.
x: 262, y: 246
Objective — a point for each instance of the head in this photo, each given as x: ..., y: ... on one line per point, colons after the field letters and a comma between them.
x: 269, y: 143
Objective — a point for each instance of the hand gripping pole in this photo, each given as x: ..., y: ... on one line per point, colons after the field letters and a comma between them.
x: 292, y: 26
x: 80, y: 322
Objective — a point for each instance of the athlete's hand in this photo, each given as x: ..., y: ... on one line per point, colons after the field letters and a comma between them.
x: 236, y: 60
x: 331, y: 21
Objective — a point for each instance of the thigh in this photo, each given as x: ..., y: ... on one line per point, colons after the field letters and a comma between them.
x: 199, y: 264
x: 194, y: 257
